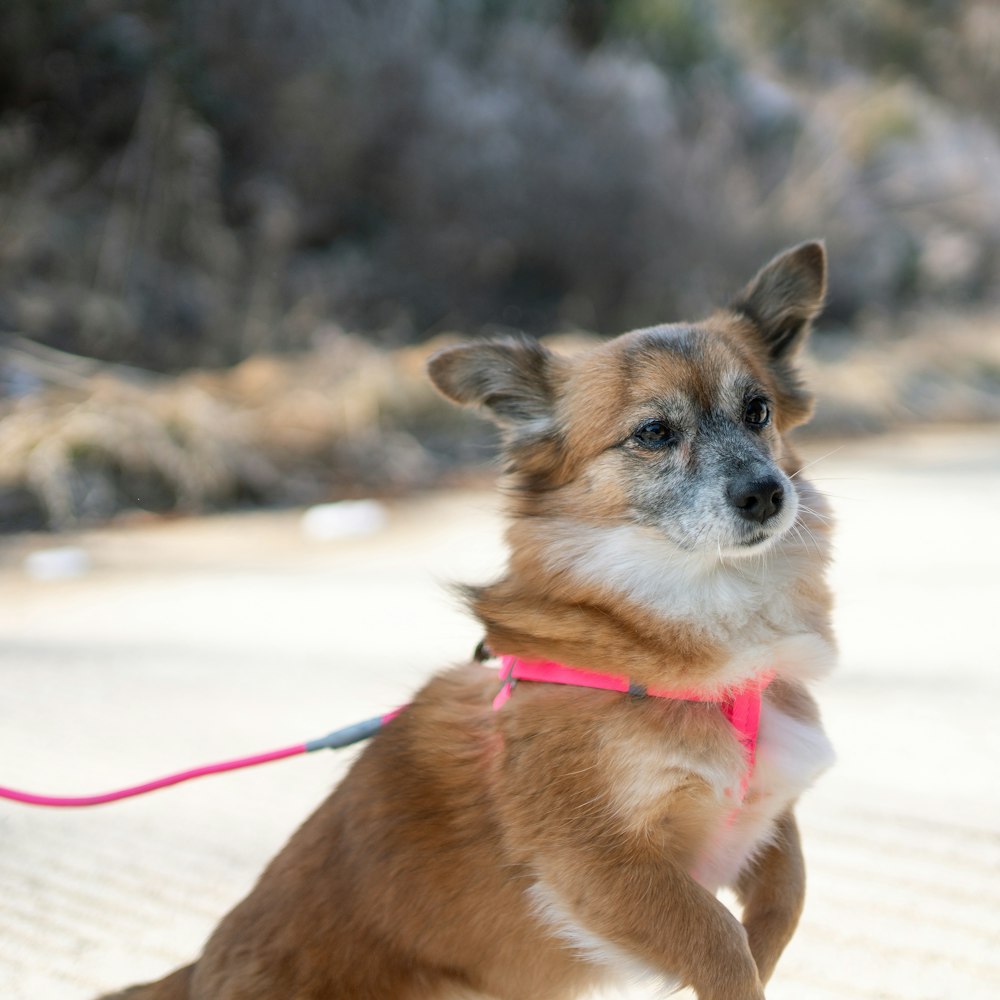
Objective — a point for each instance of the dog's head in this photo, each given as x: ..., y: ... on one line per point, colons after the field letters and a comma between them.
x: 677, y: 427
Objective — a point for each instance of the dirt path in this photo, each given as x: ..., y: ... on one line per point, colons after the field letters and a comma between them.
x: 191, y: 641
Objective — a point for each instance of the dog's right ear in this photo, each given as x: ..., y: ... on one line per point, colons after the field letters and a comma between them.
x: 513, y: 378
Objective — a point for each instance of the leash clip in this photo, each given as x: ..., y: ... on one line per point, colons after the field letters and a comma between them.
x: 509, y: 682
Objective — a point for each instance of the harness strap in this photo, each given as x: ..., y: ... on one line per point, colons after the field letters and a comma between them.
x: 740, y: 705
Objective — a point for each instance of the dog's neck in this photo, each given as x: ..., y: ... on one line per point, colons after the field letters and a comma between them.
x: 621, y: 598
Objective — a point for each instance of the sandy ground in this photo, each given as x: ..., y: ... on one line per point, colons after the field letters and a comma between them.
x: 192, y: 641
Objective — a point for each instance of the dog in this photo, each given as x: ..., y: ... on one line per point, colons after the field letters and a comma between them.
x: 514, y: 835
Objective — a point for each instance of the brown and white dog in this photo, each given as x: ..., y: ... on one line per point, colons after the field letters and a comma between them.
x: 660, y: 530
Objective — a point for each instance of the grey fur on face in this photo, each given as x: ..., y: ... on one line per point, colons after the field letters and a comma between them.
x: 696, y: 490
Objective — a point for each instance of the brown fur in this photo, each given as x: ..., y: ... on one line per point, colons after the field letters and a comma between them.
x: 531, y: 852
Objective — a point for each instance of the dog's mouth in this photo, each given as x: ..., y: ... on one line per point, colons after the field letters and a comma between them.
x: 754, y: 539
x: 752, y: 544
x: 741, y: 542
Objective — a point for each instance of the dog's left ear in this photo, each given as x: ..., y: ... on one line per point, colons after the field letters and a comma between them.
x: 784, y: 297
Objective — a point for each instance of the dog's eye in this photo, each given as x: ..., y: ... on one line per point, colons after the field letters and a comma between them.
x: 654, y: 434
x: 757, y: 413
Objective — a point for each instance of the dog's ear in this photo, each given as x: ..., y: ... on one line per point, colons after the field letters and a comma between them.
x: 511, y: 377
x: 784, y: 297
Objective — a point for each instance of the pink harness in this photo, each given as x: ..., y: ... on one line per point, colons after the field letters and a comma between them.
x: 740, y: 705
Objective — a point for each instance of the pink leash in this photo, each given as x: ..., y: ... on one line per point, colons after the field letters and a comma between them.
x: 66, y: 802
x: 338, y: 738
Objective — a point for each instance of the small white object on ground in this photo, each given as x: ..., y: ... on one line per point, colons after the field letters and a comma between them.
x: 65, y: 563
x: 344, y: 519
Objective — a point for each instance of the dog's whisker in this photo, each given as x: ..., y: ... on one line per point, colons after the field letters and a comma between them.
x: 819, y: 515
x: 799, y: 537
x: 838, y: 479
x: 806, y: 537
x: 811, y: 534
x: 722, y: 558
x: 840, y: 496
x: 816, y: 461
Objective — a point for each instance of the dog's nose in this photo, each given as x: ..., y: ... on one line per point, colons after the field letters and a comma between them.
x: 757, y: 500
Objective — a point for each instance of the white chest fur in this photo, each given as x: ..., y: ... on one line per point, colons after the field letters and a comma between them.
x: 791, y: 754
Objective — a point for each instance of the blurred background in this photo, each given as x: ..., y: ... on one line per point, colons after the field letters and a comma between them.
x: 228, y: 228
x: 231, y: 231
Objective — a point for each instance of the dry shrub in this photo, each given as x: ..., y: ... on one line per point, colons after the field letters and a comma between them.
x: 349, y: 420
x: 945, y: 370
x: 89, y: 440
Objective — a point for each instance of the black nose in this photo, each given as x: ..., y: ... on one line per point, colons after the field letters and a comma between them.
x: 758, y: 499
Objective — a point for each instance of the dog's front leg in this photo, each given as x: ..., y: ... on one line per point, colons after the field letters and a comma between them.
x: 636, y: 901
x: 772, y: 893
